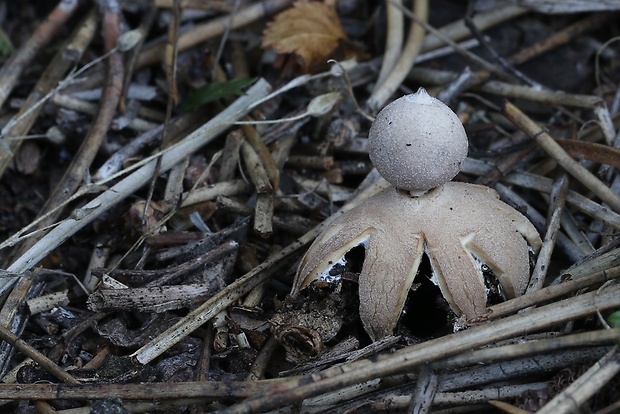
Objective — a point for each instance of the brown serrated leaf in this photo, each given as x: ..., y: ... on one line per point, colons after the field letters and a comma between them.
x: 310, y: 30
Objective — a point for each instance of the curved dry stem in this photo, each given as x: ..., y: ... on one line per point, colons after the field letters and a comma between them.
x: 50, y: 81
x: 242, y: 286
x: 585, y: 386
x: 213, y: 28
x: 20, y: 60
x: 558, y: 197
x: 430, y: 351
x: 544, y: 185
x: 414, y: 43
x: 393, y: 40
x: 458, y: 30
x: 555, y: 151
x: 131, y: 183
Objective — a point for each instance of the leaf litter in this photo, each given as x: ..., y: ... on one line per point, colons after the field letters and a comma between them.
x: 179, y: 297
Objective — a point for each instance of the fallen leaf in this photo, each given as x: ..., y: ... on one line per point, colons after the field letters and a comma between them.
x: 311, y: 31
x: 591, y: 151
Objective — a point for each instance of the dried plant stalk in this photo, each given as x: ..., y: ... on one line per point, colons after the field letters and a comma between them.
x: 37, y: 356
x: 151, y: 299
x: 167, y: 390
x: 131, y: 183
x: 85, y: 107
x: 263, y: 214
x: 552, y: 292
x: 393, y: 39
x: 74, y: 175
x: 403, y: 65
x: 237, y: 289
x: 266, y: 159
x: 211, y: 192
x: 571, y: 166
x: 571, y: 399
x: 537, y: 278
x: 54, y: 22
x: 424, y: 392
x: 544, y: 184
x: 458, y: 30
x: 432, y: 350
x: 49, y: 301
x: 62, y: 62
x: 213, y: 28
x: 255, y: 168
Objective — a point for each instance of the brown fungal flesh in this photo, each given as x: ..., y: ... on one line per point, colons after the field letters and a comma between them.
x: 418, y: 144
x: 455, y: 224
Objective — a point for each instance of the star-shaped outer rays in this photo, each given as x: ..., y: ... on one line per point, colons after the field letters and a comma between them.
x: 457, y: 225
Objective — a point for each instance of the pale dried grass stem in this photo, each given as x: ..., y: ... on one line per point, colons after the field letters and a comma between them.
x: 554, y: 150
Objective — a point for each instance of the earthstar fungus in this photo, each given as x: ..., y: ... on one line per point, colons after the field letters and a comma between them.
x: 418, y: 145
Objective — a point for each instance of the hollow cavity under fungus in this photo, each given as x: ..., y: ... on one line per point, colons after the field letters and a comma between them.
x: 418, y: 145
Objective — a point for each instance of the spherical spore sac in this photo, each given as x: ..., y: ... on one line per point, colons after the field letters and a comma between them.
x: 417, y: 143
